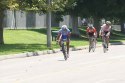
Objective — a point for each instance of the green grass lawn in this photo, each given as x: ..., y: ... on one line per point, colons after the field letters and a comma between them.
x: 19, y: 41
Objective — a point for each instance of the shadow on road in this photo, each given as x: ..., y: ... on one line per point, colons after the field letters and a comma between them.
x: 62, y: 60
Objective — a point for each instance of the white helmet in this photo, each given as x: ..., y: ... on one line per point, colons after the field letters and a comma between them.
x: 108, y: 22
x: 90, y: 25
x: 64, y: 27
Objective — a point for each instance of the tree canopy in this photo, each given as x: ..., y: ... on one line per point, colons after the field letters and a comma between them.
x: 100, y: 8
x: 41, y: 5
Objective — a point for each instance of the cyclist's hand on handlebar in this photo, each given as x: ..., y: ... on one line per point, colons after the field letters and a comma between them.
x: 107, y: 35
x: 100, y: 34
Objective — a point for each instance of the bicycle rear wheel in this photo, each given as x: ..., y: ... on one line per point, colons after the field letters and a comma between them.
x: 104, y: 46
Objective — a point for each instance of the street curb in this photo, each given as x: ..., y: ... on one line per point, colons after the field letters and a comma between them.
x: 38, y: 53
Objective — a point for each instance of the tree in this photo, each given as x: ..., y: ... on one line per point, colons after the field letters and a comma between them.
x: 48, y: 25
x: 5, y: 4
x: 98, y: 9
x: 45, y: 6
x: 69, y: 10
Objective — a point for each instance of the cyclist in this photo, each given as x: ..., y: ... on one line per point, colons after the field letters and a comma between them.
x: 105, y: 31
x: 64, y: 33
x: 91, y: 31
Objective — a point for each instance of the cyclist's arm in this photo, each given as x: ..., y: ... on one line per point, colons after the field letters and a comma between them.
x: 58, y: 36
x: 95, y: 32
x: 101, y: 30
x: 87, y: 32
x: 69, y: 33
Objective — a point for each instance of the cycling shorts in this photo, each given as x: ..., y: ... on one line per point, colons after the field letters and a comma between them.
x: 91, y: 34
x: 105, y: 32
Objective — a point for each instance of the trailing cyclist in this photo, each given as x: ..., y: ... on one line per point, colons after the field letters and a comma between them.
x: 91, y: 31
x: 92, y: 36
x: 64, y: 33
x: 105, y: 31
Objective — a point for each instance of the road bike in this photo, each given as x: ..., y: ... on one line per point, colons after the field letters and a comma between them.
x: 92, y: 43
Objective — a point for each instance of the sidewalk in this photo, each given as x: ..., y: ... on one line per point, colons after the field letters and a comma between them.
x: 38, y: 53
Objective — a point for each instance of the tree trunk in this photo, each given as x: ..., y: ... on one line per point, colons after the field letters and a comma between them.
x: 14, y: 11
x: 48, y: 25
x: 75, y: 30
x: 1, y: 27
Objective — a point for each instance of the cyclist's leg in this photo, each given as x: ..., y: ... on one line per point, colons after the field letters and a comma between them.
x: 60, y: 44
x: 90, y: 41
x: 104, y: 37
x: 67, y: 44
x: 107, y: 41
x: 103, y: 40
x: 94, y: 40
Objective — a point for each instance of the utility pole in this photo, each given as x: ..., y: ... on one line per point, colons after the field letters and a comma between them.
x: 48, y: 24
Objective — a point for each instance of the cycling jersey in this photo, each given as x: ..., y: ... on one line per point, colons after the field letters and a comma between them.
x: 64, y: 33
x: 105, y: 28
x: 91, y: 31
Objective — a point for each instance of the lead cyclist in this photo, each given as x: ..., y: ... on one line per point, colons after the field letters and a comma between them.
x: 105, y: 31
x: 64, y: 33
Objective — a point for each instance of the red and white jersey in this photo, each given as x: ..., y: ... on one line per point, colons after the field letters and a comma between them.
x: 91, y: 30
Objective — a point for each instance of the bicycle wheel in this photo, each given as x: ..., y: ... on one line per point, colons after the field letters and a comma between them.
x: 64, y: 51
x: 93, y: 45
x: 90, y: 46
x: 104, y: 46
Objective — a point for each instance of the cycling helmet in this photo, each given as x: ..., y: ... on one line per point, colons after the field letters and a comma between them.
x: 91, y: 26
x: 64, y: 27
x: 108, y: 22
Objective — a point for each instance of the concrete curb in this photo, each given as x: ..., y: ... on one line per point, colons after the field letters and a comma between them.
x: 38, y: 53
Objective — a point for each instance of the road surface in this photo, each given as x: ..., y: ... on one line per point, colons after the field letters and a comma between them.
x: 81, y: 67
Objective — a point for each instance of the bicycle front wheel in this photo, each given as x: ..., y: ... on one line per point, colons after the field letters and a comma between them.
x: 64, y: 51
x: 93, y: 46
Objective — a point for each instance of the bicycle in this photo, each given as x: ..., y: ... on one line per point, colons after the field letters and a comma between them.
x: 64, y: 48
x: 104, y: 44
x: 92, y: 43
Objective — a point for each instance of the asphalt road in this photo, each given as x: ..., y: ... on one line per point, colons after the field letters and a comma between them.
x: 81, y: 67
